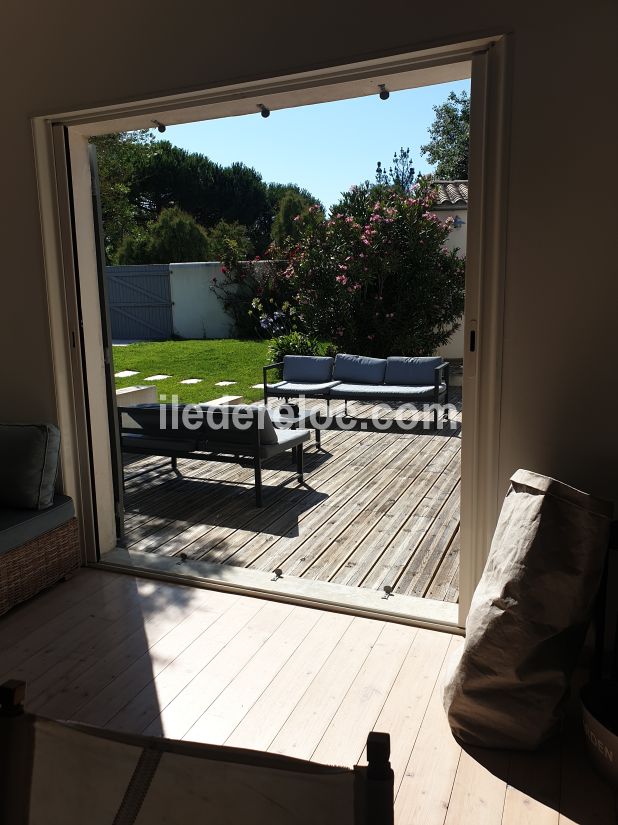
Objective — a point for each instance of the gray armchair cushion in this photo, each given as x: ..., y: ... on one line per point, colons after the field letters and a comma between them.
x: 409, y: 372
x: 313, y: 369
x: 18, y: 527
x: 286, y: 439
x: 28, y: 465
x: 383, y: 392
x: 359, y: 369
x: 289, y: 388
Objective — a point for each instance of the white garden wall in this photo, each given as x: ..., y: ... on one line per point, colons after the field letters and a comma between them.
x: 197, y: 312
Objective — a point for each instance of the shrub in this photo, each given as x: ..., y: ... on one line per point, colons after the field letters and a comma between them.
x: 256, y: 296
x: 295, y: 343
x: 375, y: 277
x: 174, y: 237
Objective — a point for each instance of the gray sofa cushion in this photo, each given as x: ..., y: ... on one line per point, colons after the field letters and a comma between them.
x: 359, y: 369
x: 18, y: 527
x: 28, y: 465
x: 290, y: 388
x: 286, y: 439
x: 407, y: 372
x: 382, y: 392
x: 313, y: 369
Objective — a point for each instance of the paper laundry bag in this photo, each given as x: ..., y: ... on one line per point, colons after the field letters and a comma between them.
x: 529, y: 614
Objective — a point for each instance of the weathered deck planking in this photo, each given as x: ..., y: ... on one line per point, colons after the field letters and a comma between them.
x: 376, y: 509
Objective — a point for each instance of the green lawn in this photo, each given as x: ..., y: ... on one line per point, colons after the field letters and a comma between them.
x: 212, y: 361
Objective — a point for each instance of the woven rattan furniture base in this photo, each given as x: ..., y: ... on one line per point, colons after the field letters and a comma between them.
x: 31, y: 567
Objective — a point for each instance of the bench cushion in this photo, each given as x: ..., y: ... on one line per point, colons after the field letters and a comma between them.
x: 292, y: 388
x: 359, y: 369
x: 409, y: 372
x: 28, y: 465
x: 286, y: 439
x: 313, y: 369
x: 18, y: 526
x: 382, y: 392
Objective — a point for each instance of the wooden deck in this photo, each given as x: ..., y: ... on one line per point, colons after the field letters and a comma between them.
x: 143, y: 656
x: 376, y: 509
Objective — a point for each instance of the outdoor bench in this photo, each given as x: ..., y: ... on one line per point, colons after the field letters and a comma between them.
x: 234, y: 433
x: 393, y: 380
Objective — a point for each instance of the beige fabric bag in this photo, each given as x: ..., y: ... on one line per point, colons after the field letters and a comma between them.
x: 529, y: 614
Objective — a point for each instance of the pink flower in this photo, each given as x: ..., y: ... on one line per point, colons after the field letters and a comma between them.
x: 342, y: 279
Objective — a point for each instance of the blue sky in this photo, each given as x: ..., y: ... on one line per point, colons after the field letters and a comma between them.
x: 325, y: 148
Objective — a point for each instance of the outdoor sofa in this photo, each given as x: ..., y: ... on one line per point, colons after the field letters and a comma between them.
x: 236, y: 433
x: 394, y: 380
x: 39, y: 540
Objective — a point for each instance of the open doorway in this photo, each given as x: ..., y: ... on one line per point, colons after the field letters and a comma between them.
x: 360, y: 522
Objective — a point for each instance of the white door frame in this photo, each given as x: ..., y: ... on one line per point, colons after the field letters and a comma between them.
x: 65, y: 192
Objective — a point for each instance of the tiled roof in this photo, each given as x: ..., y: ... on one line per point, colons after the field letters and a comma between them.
x: 451, y: 194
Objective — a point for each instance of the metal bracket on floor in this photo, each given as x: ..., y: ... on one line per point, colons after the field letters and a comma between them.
x: 388, y: 591
x: 278, y: 574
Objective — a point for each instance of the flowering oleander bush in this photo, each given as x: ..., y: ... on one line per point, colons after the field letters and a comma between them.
x: 375, y: 277
x: 258, y: 298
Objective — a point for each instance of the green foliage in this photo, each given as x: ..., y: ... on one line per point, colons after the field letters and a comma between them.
x: 286, y: 229
x: 294, y: 343
x: 174, y: 237
x: 141, y: 177
x: 400, y: 175
x: 229, y: 239
x: 375, y: 277
x: 118, y: 156
x: 450, y: 137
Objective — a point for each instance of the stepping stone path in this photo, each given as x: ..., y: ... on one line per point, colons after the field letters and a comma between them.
x: 224, y: 383
x: 156, y: 377
x: 192, y: 381
x: 257, y: 386
x: 126, y: 374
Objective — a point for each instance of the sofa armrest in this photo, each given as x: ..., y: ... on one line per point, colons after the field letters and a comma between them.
x: 277, y: 365
x: 441, y: 376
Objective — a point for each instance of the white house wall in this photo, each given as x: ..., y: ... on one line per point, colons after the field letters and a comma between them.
x: 454, y: 347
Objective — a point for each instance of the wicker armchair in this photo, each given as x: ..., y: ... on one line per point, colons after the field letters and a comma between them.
x: 39, y: 540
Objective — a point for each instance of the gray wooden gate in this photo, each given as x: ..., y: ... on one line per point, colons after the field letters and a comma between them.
x: 140, y: 302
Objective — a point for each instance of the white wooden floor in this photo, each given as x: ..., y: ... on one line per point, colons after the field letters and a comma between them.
x: 145, y: 656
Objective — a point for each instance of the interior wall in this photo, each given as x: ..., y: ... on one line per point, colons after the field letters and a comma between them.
x: 561, y: 284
